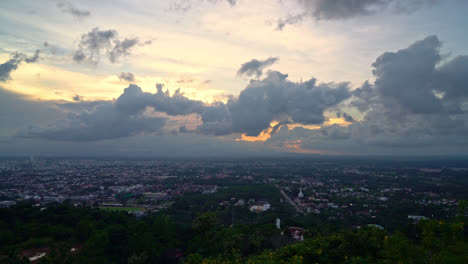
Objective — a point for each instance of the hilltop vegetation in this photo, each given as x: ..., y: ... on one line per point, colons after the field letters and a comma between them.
x: 116, y: 237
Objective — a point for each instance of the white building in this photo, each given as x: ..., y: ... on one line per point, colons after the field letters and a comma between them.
x: 300, y: 195
x: 260, y: 207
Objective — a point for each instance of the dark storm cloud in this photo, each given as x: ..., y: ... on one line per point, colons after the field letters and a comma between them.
x: 404, y: 78
x: 416, y: 81
x: 127, y: 76
x: 346, y: 116
x: 17, y: 111
x: 125, y: 117
x: 103, y: 122
x: 78, y: 106
x: 263, y: 101
x: 417, y: 102
x: 67, y: 7
x: 134, y: 100
x: 12, y: 64
x: 274, y: 99
x: 451, y: 80
x: 255, y: 67
x: 216, y: 120
x: 347, y: 9
x: 96, y: 42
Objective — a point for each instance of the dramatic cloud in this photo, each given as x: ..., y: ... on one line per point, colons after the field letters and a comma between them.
x: 67, y: 7
x: 12, y: 64
x: 255, y: 67
x: 18, y: 111
x: 104, y: 122
x: 134, y: 100
x: 127, y: 76
x: 404, y: 78
x: 273, y: 99
x: 263, y: 101
x: 347, y: 9
x: 124, y: 117
x: 418, y: 101
x: 96, y: 42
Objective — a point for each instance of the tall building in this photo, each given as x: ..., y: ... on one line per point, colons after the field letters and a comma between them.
x: 300, y: 195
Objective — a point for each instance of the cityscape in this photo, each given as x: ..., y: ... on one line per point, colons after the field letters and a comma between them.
x: 333, y: 188
x: 233, y: 132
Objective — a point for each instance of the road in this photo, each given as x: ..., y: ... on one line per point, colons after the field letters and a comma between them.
x: 299, y: 210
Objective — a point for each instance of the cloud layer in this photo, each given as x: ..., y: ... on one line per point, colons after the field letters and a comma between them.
x: 348, y: 9
x: 271, y: 99
x: 96, y: 42
x: 12, y: 64
x: 417, y: 101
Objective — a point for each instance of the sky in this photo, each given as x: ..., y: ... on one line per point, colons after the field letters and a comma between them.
x: 233, y: 77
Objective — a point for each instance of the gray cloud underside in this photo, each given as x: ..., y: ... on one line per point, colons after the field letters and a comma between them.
x: 17, y: 111
x: 124, y: 117
x: 96, y: 42
x: 273, y: 98
x: 255, y: 67
x: 417, y: 101
x: 347, y: 9
x: 12, y: 64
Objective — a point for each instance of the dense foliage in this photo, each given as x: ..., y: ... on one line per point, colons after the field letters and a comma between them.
x: 116, y: 237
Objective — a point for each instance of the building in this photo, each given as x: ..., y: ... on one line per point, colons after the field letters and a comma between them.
x: 300, y: 195
x: 260, y: 207
x: 297, y: 233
